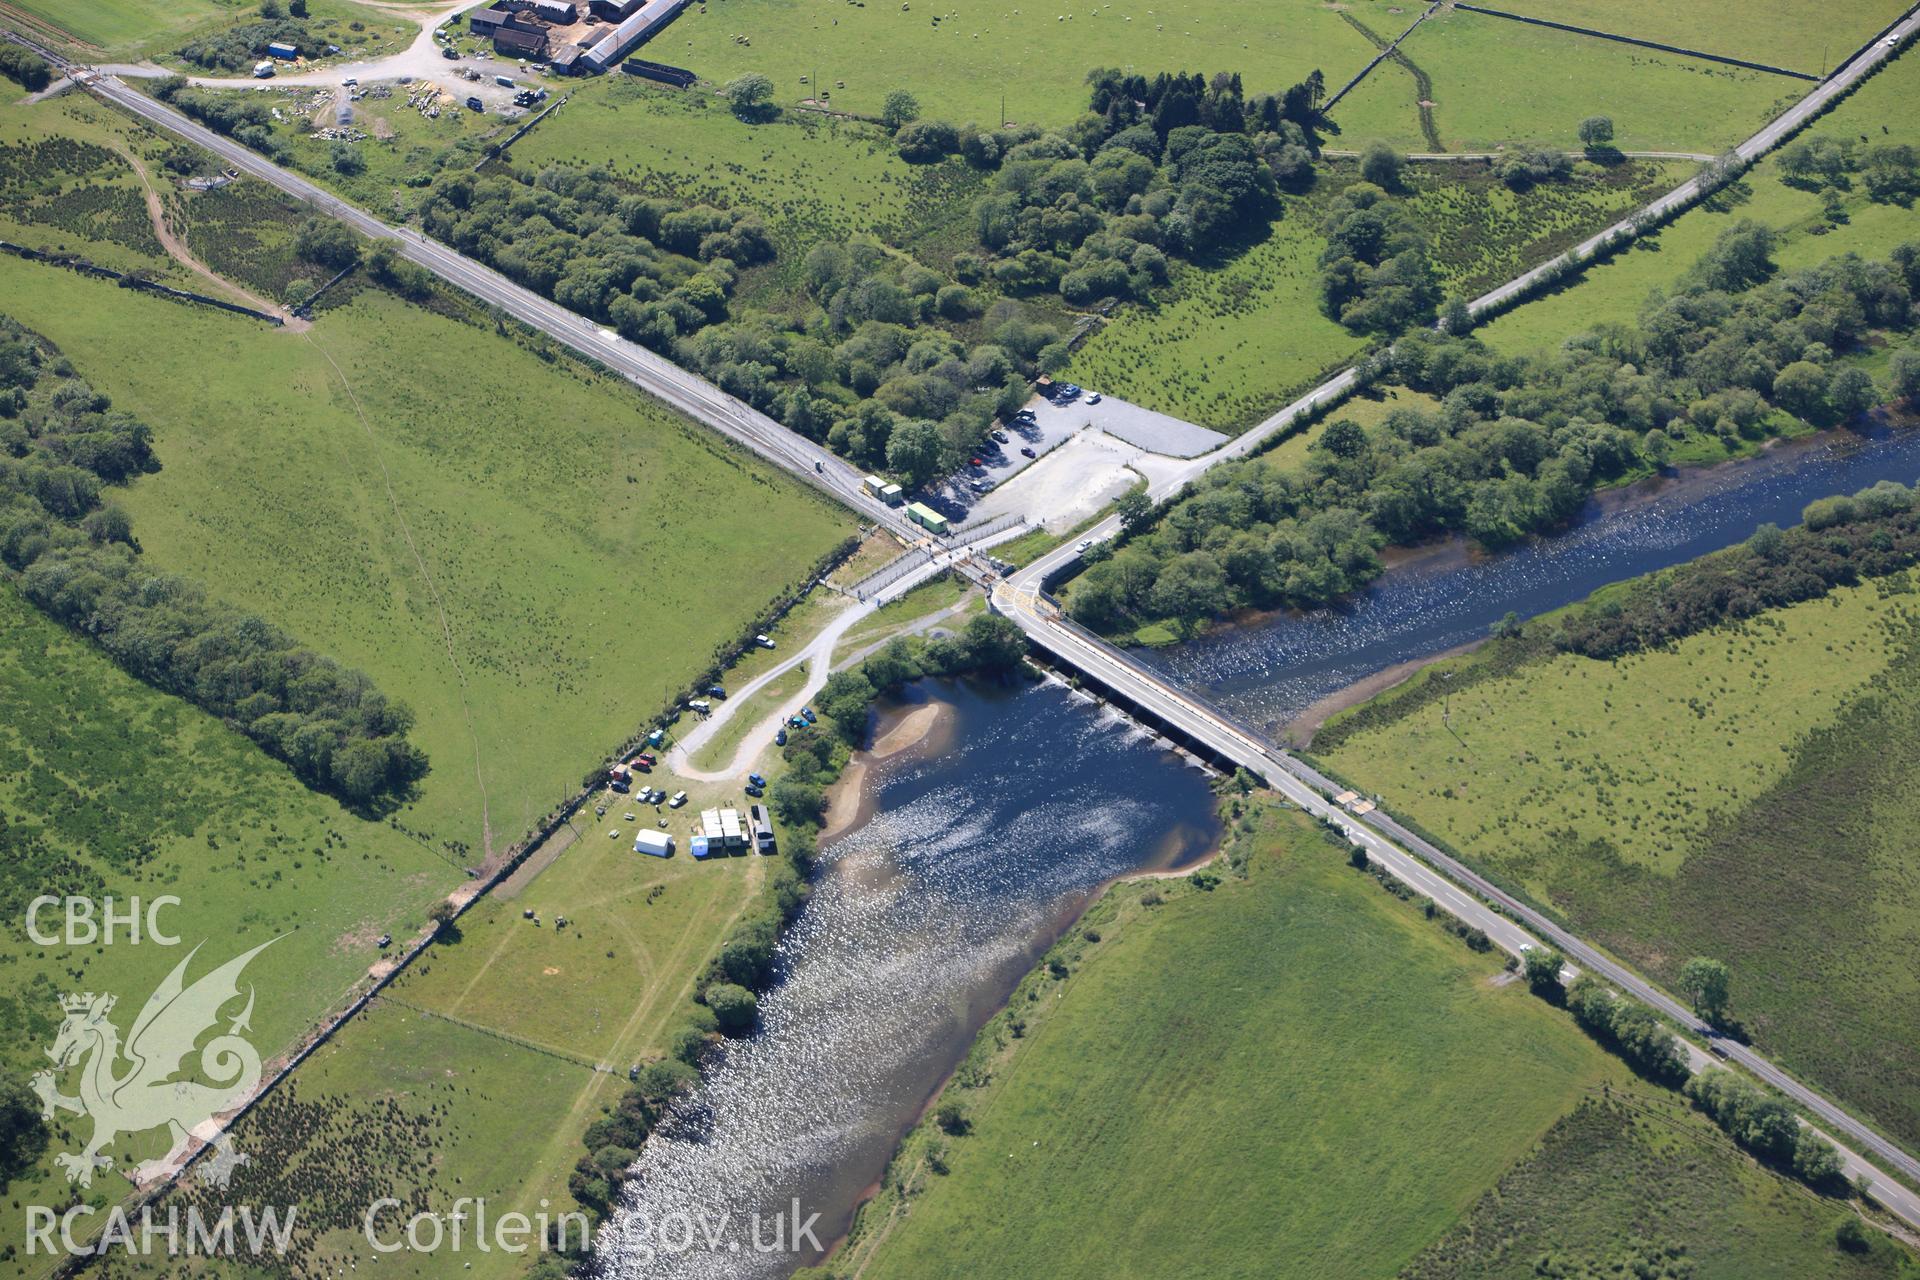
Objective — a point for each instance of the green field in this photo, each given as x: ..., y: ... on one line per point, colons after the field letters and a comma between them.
x: 1497, y: 82
x: 1879, y: 110
x: 1638, y: 1180
x: 516, y: 573
x: 1800, y: 35
x: 1230, y: 344
x: 147, y: 27
x: 1223, y: 1081
x: 1225, y: 346
x: 962, y: 65
x: 66, y: 186
x: 1745, y: 793
x: 109, y: 788
x: 811, y: 178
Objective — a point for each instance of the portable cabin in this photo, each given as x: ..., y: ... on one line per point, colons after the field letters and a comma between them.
x: 873, y: 486
x: 762, y: 828
x: 699, y: 848
x: 927, y: 518
x: 893, y: 495
x: 282, y: 50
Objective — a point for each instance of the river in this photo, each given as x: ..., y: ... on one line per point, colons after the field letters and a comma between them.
x: 983, y: 843
x: 978, y: 846
x: 1274, y: 670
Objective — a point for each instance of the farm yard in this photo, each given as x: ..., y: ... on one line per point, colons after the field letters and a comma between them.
x: 1743, y: 793
x: 1496, y: 83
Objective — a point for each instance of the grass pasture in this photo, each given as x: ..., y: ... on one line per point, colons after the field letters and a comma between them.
x: 66, y: 186
x: 1496, y: 82
x: 1637, y: 1181
x: 1293, y: 1045
x: 1231, y: 343
x: 494, y: 1053
x: 959, y: 64
x: 1800, y: 35
x: 1878, y: 111
x: 1225, y: 346
x: 810, y: 178
x: 1746, y: 793
x: 109, y: 788
x: 142, y: 28
x: 518, y: 574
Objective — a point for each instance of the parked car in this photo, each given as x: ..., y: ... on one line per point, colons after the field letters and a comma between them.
x: 755, y: 792
x: 1094, y: 398
x: 700, y: 705
x: 716, y: 691
x: 975, y: 462
x: 765, y: 642
x: 780, y: 736
x: 451, y: 55
x: 1027, y: 453
x: 679, y: 798
x: 756, y: 780
x: 999, y: 436
x: 474, y: 104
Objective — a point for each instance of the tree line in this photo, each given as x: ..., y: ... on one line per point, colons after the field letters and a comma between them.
x: 1840, y: 541
x: 23, y: 65
x: 873, y: 368
x: 73, y: 553
x: 1515, y: 444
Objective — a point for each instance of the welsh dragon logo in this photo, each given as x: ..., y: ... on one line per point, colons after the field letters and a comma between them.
x: 131, y: 1088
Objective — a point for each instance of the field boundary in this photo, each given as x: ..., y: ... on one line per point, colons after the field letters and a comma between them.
x: 521, y: 1042
x: 126, y: 280
x: 500, y: 148
x: 1422, y: 82
x: 1645, y: 44
x: 1386, y: 51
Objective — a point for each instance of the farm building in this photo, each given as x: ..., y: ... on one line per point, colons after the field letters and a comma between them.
x: 637, y: 25
x: 656, y: 844
x: 517, y: 41
x: 564, y: 58
x: 484, y: 22
x: 614, y: 10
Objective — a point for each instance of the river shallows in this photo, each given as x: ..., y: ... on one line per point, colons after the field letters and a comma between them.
x: 977, y: 854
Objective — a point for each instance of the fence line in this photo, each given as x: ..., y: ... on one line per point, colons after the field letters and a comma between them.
x: 128, y: 281
x: 968, y: 534
x: 1644, y: 44
x: 891, y: 572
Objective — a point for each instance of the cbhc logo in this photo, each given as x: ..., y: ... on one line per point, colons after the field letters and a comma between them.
x: 85, y: 922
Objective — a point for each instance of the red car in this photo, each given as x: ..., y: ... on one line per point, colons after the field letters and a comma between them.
x: 978, y: 463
